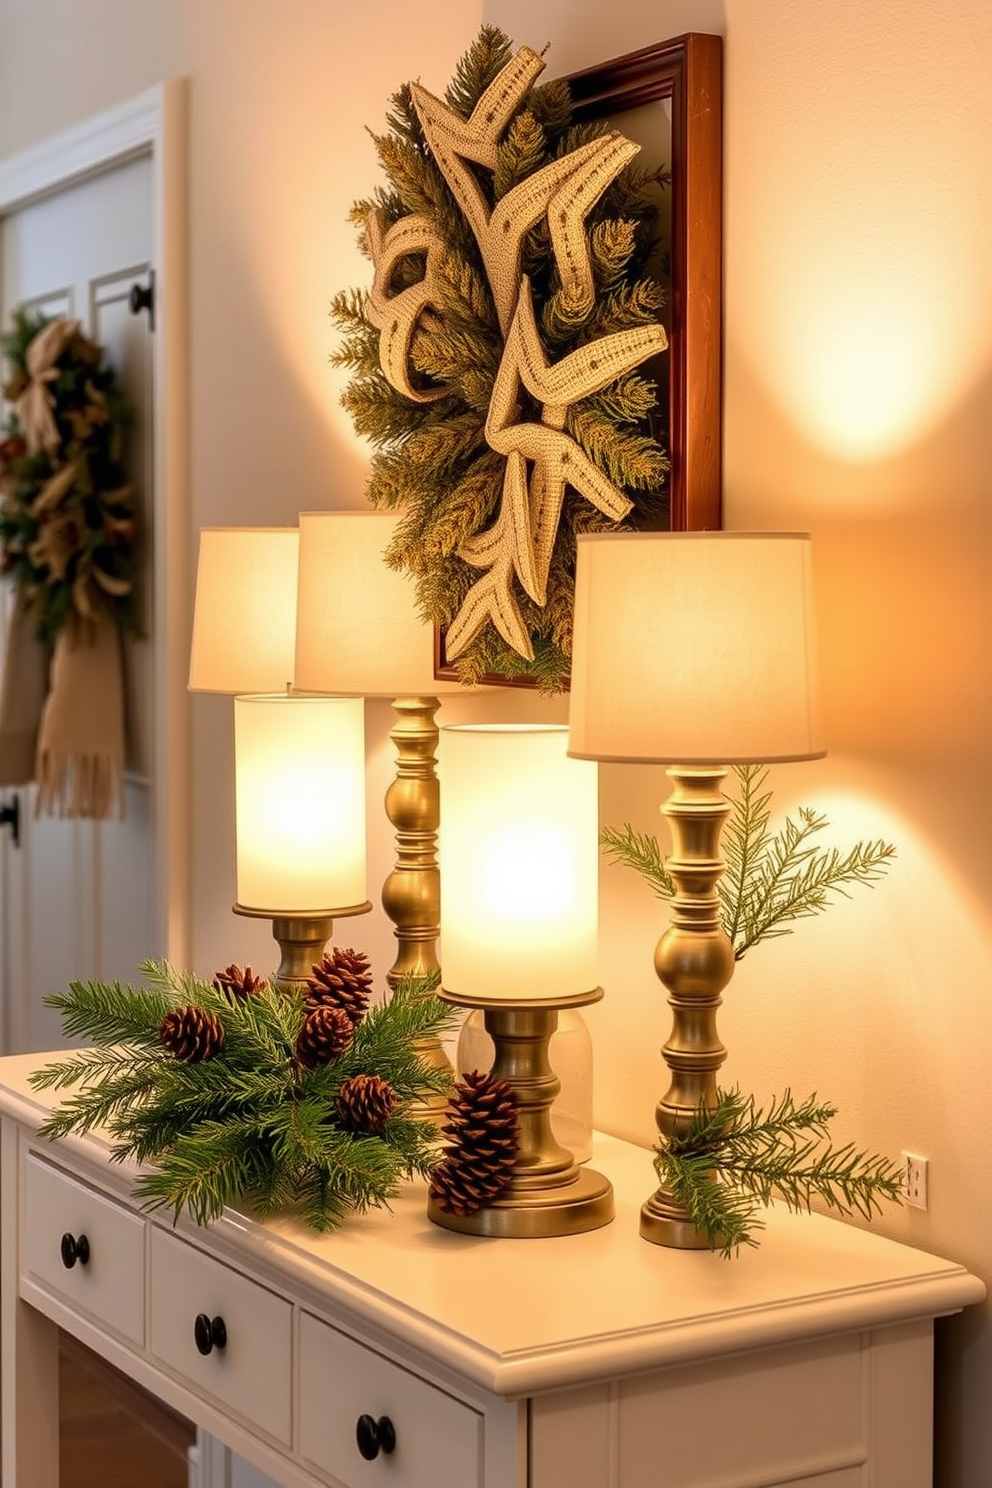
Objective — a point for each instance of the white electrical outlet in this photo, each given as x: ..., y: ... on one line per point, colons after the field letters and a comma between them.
x: 915, y: 1180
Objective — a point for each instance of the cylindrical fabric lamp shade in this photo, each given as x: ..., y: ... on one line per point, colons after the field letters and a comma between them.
x: 300, y: 803
x: 358, y: 628
x: 694, y: 648
x: 244, y: 615
x: 518, y: 852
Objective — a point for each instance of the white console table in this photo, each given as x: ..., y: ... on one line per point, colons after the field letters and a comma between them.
x: 593, y: 1361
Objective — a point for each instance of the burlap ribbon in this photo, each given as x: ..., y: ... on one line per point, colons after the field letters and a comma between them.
x: 23, y: 688
x: 33, y: 407
x: 79, y: 766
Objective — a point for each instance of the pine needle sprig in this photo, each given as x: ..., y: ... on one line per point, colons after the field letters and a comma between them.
x: 770, y: 880
x: 480, y: 66
x: 794, y: 880
x: 115, y: 1012
x: 734, y: 1157
x: 642, y: 852
x: 745, y: 839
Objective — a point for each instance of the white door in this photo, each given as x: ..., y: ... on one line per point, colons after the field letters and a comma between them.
x: 84, y: 899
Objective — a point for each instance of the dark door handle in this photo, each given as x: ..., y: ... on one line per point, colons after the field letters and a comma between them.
x: 142, y: 297
x: 10, y: 816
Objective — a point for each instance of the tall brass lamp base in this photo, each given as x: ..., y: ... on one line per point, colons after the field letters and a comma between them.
x: 301, y: 939
x: 411, y: 895
x: 694, y: 960
x: 548, y: 1193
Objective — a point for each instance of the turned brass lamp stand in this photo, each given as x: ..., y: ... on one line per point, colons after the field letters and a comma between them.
x: 411, y: 895
x: 694, y: 960
x: 693, y: 649
x: 359, y: 633
x: 519, y: 856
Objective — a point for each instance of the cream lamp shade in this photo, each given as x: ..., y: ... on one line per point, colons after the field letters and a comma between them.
x: 299, y: 804
x: 518, y: 852
x: 694, y: 648
x: 358, y: 628
x: 244, y: 613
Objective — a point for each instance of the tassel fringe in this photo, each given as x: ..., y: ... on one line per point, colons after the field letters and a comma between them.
x: 79, y: 785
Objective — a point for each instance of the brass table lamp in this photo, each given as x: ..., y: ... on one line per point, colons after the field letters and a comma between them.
x: 299, y: 771
x: 693, y: 650
x: 518, y: 854
x: 300, y: 820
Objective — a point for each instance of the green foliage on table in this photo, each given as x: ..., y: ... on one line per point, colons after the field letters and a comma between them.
x: 734, y: 1157
x: 250, y: 1123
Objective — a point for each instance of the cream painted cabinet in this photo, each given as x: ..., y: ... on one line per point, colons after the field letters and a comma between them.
x: 393, y: 1354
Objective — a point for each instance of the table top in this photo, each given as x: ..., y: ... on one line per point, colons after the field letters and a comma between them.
x: 518, y: 1316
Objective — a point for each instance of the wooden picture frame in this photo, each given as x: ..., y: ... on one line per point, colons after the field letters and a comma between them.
x: 686, y: 72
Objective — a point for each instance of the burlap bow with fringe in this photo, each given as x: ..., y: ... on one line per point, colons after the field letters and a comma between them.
x: 61, y: 707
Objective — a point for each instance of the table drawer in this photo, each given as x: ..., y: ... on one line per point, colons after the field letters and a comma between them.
x: 439, y: 1439
x: 109, y: 1285
x: 250, y: 1373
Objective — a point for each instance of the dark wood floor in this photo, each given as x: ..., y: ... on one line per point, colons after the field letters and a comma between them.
x: 114, y: 1435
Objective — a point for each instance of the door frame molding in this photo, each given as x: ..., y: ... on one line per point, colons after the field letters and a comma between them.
x: 153, y: 123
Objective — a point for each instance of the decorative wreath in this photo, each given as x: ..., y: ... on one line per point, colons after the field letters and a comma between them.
x: 494, y: 360
x: 68, y: 525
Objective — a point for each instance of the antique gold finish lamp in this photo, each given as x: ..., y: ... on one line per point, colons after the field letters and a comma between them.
x: 299, y: 763
x: 696, y: 651
x: 359, y: 634
x: 300, y: 820
x: 518, y: 850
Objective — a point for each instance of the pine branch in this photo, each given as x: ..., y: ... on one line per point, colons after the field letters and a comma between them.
x: 745, y: 837
x: 734, y: 1157
x: 480, y: 66
x: 641, y: 852
x: 112, y: 1013
x: 632, y: 461
x: 769, y: 881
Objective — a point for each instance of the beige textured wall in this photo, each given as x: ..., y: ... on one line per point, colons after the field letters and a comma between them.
x: 857, y: 405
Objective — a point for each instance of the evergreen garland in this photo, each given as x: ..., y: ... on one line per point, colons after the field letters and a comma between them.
x: 244, y: 1120
x: 68, y: 521
x: 432, y: 460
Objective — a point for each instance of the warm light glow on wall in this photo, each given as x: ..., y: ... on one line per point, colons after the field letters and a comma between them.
x: 859, y: 216
x: 300, y: 803
x: 518, y: 852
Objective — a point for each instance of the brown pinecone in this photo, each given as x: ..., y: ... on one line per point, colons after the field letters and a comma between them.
x: 192, y: 1034
x: 366, y: 1102
x: 485, y: 1140
x: 238, y: 984
x: 324, y: 1034
x: 342, y: 980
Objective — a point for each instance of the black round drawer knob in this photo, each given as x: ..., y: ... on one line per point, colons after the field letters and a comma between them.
x: 74, y: 1248
x: 375, y: 1436
x: 209, y: 1333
